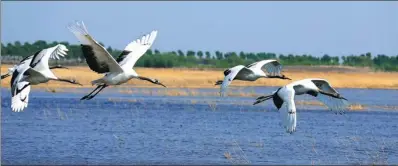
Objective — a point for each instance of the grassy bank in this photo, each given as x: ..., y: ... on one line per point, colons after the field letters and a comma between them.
x: 339, y: 77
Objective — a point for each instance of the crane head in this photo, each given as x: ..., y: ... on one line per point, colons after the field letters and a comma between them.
x: 155, y: 81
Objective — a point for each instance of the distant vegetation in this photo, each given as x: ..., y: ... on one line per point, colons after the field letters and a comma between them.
x: 13, y: 52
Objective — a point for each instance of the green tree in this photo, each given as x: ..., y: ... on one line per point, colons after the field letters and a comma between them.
x: 208, y: 56
x: 219, y: 55
x: 200, y: 54
x: 326, y: 59
x: 180, y: 53
x: 251, y: 56
x: 40, y: 44
x: 242, y: 55
x: 17, y: 44
x: 190, y: 53
x: 220, y: 60
x: 9, y: 50
x: 3, y: 49
x: 149, y: 52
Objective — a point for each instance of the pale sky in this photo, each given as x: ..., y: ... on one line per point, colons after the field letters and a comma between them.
x: 307, y: 27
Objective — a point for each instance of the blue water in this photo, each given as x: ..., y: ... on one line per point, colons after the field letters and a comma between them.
x: 115, y: 128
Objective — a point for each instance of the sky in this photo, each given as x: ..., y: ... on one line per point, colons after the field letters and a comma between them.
x: 336, y: 28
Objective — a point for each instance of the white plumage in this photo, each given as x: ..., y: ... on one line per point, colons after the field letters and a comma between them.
x: 26, y: 61
x: 319, y: 88
x: 21, y: 98
x: 251, y: 72
x: 34, y: 70
x: 19, y: 89
x: 101, y: 61
x: 137, y: 49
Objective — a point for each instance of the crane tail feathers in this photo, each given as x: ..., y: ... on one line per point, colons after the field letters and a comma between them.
x: 289, y: 121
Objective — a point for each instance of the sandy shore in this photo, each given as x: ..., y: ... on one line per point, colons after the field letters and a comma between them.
x: 339, y: 77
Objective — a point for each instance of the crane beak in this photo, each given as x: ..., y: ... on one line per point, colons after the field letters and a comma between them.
x: 77, y: 83
x: 161, y: 84
x: 341, y: 97
x: 286, y: 78
x: 258, y: 101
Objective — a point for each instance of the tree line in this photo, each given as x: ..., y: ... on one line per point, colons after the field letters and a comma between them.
x: 204, y: 59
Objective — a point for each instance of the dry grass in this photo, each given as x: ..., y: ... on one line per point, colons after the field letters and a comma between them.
x: 212, y: 105
x: 227, y: 155
x: 312, y: 102
x: 191, y: 78
x: 356, y: 107
x: 236, y: 156
x: 186, y: 92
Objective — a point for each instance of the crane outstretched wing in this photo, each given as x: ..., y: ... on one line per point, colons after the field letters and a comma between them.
x: 20, y: 99
x: 134, y: 50
x: 19, y: 90
x: 288, y: 114
x: 230, y: 74
x: 39, y: 60
x: 334, y: 104
x: 271, y: 66
x: 97, y: 57
x: 25, y: 61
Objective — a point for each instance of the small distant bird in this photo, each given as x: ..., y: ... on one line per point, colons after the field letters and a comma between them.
x: 34, y: 70
x: 101, y: 61
x: 26, y: 61
x: 251, y: 72
x: 319, y: 88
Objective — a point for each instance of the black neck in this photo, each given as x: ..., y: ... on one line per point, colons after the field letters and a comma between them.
x: 275, y: 77
x: 146, y: 79
x: 57, y: 67
x: 66, y: 80
x: 5, y: 76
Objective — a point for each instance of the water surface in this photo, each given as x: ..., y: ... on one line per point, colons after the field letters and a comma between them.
x: 117, y: 128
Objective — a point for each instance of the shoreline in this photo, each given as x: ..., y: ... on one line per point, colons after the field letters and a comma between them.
x: 156, y: 87
x: 339, y: 77
x: 199, y: 95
